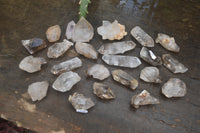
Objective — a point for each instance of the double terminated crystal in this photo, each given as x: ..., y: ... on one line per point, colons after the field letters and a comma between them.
x: 66, y: 66
x: 117, y: 47
x: 150, y: 74
x: 80, y: 102
x: 122, y: 61
x: 98, y: 71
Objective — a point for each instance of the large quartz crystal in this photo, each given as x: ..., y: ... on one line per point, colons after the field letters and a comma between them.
x: 34, y: 45
x: 174, y: 87
x: 144, y: 98
x: 80, y: 103
x: 98, y: 71
x: 142, y: 37
x: 66, y: 81
x: 167, y: 42
x: 117, y: 47
x: 173, y: 64
x: 148, y: 56
x: 122, y: 61
x: 83, y: 31
x: 58, y: 49
x: 38, y: 90
x: 32, y: 64
x: 66, y: 66
x: 86, y: 50
x: 125, y: 79
x: 112, y: 31
x: 150, y: 74
x: 70, y: 29
x: 53, y: 33
x: 103, y: 91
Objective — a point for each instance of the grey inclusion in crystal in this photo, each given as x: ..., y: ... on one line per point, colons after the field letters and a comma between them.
x: 103, y: 91
x: 150, y: 74
x: 38, y: 90
x: 142, y: 37
x: 174, y: 87
x: 66, y: 66
x: 117, y: 47
x: 86, y: 50
x: 167, y: 42
x: 125, y: 79
x: 98, y: 71
x: 148, y: 56
x: 122, y: 61
x: 70, y: 29
x: 173, y: 64
x: 80, y: 103
x: 66, y: 81
x: 32, y: 64
x: 83, y: 31
x: 34, y: 45
x: 58, y: 49
x: 144, y: 98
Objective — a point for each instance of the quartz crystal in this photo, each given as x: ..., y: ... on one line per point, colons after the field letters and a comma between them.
x: 66, y: 81
x: 66, y: 66
x: 34, y: 45
x: 83, y: 31
x: 103, y: 91
x: 117, y: 47
x: 174, y: 87
x: 150, y: 74
x: 142, y: 37
x: 58, y: 49
x: 122, y: 61
x: 173, y: 64
x: 112, y: 31
x: 125, y: 79
x: 53, y: 33
x: 32, y: 64
x: 86, y: 50
x: 38, y: 90
x: 98, y: 71
x: 80, y: 103
x: 144, y: 98
x: 70, y: 29
x: 167, y: 42
x: 148, y: 56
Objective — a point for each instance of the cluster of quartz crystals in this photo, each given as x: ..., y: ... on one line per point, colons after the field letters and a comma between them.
x: 83, y: 32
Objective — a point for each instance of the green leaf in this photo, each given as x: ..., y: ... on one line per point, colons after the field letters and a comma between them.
x: 83, y: 8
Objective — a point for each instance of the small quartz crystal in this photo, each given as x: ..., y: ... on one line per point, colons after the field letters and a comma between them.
x: 122, y: 61
x: 144, y: 98
x: 86, y: 50
x: 148, y: 56
x: 173, y: 64
x: 117, y: 47
x: 66, y: 81
x: 38, y: 90
x: 103, y: 91
x: 58, y: 49
x: 98, y: 71
x: 167, y: 42
x: 174, y: 87
x: 80, y: 103
x: 150, y: 74
x: 32, y: 64
x: 66, y: 66
x: 53, y: 33
x: 112, y: 31
x: 70, y: 29
x: 34, y: 45
x: 142, y: 37
x: 125, y: 79
x: 83, y: 31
